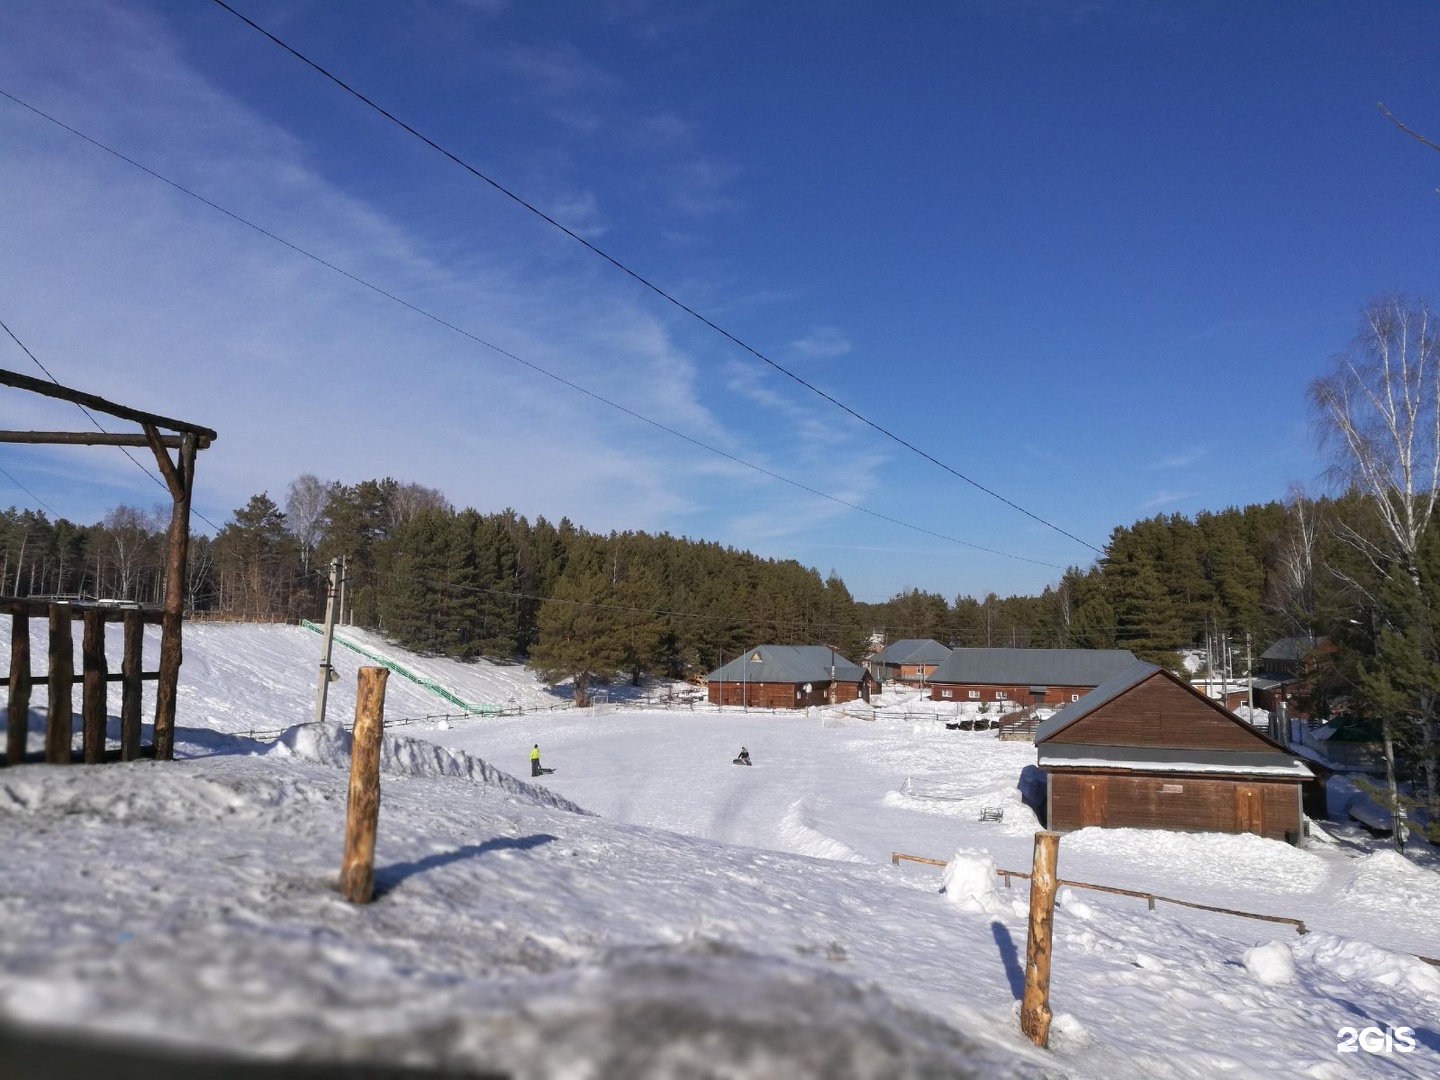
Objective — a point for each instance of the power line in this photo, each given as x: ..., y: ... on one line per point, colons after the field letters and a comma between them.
x: 27, y: 491
x: 512, y: 356
x: 91, y: 416
x: 646, y: 282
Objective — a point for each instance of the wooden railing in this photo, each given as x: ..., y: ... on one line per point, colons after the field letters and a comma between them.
x: 60, y: 679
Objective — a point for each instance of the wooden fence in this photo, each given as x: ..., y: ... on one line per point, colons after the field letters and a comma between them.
x: 60, y: 679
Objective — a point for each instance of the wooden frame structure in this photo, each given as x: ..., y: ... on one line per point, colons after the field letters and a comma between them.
x: 162, y: 435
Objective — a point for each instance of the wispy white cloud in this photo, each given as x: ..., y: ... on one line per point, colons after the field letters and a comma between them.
x: 132, y: 290
x: 1182, y: 459
x: 822, y: 343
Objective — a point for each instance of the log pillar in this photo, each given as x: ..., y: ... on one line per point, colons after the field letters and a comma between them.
x: 94, y: 703
x: 17, y: 728
x: 1035, y: 1006
x: 131, y: 686
x: 357, y: 870
x: 180, y: 477
x: 58, y: 724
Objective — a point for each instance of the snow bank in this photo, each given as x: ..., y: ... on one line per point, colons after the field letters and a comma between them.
x: 329, y: 744
x: 800, y: 835
x: 970, y: 883
x: 1271, y: 964
x: 1355, y: 960
x: 1172, y: 860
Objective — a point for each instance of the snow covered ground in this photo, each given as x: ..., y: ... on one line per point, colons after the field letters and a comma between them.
x: 695, y: 918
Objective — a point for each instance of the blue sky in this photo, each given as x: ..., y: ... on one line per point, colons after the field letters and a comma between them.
x: 1089, y: 255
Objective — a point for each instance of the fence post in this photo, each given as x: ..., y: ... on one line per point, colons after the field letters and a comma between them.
x: 131, y: 686
x: 93, y: 698
x: 59, y: 723
x: 357, y: 870
x: 1035, y: 1008
x: 18, y: 710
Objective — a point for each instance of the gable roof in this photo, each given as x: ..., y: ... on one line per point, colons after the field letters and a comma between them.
x: 1291, y: 648
x: 1269, y: 757
x: 912, y: 651
x: 788, y: 664
x: 1032, y: 667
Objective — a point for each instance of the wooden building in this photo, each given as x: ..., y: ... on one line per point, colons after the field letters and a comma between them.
x: 788, y: 677
x: 910, y: 660
x: 1286, y: 674
x: 1025, y: 676
x: 1147, y: 750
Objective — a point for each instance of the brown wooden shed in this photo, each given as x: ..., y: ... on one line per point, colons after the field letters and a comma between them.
x: 1146, y: 750
x: 788, y: 677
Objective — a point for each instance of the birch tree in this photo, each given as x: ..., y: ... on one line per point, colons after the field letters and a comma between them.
x: 1378, y: 414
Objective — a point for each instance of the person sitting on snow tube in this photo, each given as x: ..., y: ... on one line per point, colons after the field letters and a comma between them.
x: 744, y: 757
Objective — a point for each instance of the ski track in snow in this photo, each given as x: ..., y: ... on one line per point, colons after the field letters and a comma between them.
x: 710, y: 914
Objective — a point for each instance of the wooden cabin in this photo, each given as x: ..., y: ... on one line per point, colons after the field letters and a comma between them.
x: 1025, y: 676
x: 910, y: 661
x: 1286, y: 674
x: 1146, y: 750
x: 788, y: 677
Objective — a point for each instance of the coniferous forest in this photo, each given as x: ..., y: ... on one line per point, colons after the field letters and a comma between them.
x: 1361, y: 569
x: 591, y: 608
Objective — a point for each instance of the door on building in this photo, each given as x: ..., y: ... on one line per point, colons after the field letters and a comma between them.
x: 1092, y: 801
x: 1249, y: 810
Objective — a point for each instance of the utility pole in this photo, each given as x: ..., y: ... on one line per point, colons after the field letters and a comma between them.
x: 327, y: 673
x: 1250, y: 680
x: 340, y: 603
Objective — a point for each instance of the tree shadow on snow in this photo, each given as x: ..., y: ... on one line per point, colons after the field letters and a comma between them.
x: 390, y: 877
x: 1011, y: 958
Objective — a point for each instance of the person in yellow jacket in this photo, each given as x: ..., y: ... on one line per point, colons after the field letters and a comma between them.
x: 535, y: 760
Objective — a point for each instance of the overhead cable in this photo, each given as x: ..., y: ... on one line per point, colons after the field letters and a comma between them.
x: 519, y: 359
x: 647, y: 283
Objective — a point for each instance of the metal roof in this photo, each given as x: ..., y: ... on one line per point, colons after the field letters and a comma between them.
x: 1032, y: 667
x: 1290, y: 648
x: 788, y: 664
x: 912, y: 651
x: 1278, y: 757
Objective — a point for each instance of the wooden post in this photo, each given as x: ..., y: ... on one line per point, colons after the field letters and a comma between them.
x: 93, y: 698
x: 131, y: 686
x: 179, y: 477
x: 1035, y: 1008
x: 18, y: 719
x: 357, y: 871
x: 58, y: 725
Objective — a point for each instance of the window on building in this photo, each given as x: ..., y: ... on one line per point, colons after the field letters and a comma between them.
x: 1000, y: 695
x: 1074, y: 697
x: 974, y: 694
x: 946, y: 693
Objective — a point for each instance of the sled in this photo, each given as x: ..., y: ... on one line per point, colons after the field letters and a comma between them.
x: 741, y: 761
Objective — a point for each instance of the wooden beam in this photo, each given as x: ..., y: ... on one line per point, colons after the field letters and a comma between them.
x: 85, y: 438
x: 99, y: 404
x: 93, y: 699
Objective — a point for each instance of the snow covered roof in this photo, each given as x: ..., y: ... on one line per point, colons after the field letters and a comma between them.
x: 912, y: 651
x: 788, y: 664
x: 1032, y: 667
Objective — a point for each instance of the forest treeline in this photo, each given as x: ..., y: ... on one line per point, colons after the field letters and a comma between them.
x: 467, y: 584
x: 590, y: 608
